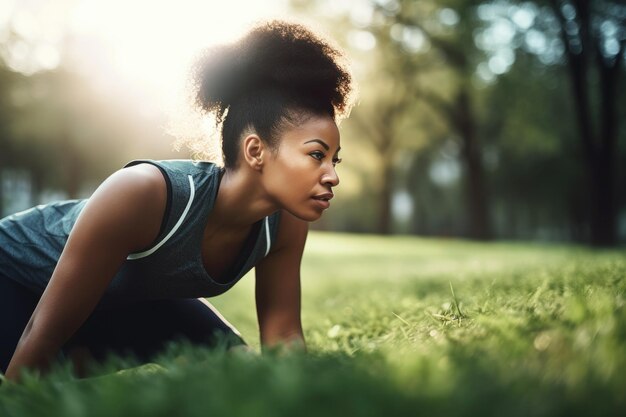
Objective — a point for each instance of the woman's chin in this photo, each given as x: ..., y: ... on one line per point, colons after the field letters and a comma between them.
x: 307, y: 216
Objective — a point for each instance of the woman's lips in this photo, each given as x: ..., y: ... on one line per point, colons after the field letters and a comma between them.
x: 323, y: 200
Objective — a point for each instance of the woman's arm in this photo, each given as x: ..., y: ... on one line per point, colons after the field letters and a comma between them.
x: 278, y: 286
x: 122, y: 216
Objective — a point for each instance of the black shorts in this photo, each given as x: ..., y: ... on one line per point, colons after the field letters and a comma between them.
x: 141, y: 329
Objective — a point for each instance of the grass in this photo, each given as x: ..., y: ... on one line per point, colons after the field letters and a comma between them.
x: 395, y: 326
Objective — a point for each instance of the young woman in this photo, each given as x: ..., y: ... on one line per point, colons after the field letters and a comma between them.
x: 122, y: 271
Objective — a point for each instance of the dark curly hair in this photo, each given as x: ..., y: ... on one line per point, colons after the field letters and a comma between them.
x: 278, y: 74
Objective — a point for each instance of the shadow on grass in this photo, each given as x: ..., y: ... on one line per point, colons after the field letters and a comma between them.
x: 190, y: 381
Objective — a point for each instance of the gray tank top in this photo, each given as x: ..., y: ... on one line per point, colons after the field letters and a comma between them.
x: 32, y: 241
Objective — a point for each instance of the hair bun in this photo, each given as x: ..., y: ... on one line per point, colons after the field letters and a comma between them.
x: 275, y: 55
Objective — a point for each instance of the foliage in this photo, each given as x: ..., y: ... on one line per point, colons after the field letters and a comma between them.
x: 453, y: 84
x: 67, y: 136
x: 418, y: 97
x: 395, y: 326
x: 586, y: 39
x: 438, y: 78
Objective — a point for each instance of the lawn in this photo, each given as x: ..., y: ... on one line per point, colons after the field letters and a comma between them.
x: 395, y: 326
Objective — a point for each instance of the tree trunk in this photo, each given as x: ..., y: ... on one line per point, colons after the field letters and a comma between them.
x: 36, y: 186
x: 386, y: 195
x: 1, y: 191
x: 599, y: 145
x: 74, y: 176
x: 603, y: 209
x: 475, y: 188
x: 73, y: 163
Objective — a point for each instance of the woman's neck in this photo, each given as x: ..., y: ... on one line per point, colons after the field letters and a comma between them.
x: 241, y: 200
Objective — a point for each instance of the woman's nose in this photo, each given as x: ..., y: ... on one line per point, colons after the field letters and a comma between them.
x: 331, y: 178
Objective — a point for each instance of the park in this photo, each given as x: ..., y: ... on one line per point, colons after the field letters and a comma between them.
x: 473, y: 262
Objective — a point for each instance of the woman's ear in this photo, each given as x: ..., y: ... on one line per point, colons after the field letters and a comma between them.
x: 254, y: 151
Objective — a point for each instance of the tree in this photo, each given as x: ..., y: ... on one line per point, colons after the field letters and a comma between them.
x: 6, y: 143
x: 455, y: 45
x: 594, y: 36
x: 387, y: 116
x: 535, y: 177
x: 425, y: 54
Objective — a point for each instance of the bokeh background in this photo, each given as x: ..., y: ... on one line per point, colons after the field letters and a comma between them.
x: 477, y: 119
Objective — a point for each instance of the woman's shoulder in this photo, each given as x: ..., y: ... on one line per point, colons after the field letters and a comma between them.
x: 141, y: 182
x: 184, y: 174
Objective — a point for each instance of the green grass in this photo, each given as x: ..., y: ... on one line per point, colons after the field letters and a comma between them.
x: 395, y: 326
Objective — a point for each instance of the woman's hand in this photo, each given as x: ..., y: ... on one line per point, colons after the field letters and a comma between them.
x: 123, y: 215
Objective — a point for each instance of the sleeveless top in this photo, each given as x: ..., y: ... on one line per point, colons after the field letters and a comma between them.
x: 31, y: 242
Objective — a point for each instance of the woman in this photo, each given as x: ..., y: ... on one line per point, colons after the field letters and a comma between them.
x: 122, y: 271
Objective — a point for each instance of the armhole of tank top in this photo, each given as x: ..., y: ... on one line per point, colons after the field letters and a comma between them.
x: 271, y: 230
x: 192, y: 193
x: 268, y: 239
x: 168, y: 205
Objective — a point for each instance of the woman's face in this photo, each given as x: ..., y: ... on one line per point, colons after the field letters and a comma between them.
x: 301, y: 173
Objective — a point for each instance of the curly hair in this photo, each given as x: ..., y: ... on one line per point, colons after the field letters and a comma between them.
x: 278, y: 74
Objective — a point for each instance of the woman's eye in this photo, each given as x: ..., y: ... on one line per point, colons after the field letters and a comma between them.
x: 317, y: 155
x: 336, y: 161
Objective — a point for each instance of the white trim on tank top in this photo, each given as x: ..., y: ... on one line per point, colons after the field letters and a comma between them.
x: 149, y: 252
x: 268, y: 241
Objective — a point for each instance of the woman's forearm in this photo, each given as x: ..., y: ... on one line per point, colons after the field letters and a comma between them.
x: 33, y: 352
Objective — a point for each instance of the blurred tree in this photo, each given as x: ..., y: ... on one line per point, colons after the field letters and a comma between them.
x: 6, y: 145
x: 449, y: 26
x: 424, y: 51
x: 66, y: 125
x: 69, y: 137
x: 387, y: 116
x: 594, y: 36
x: 535, y: 174
x: 495, y: 72
x: 50, y: 104
x: 382, y: 119
x: 591, y: 37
